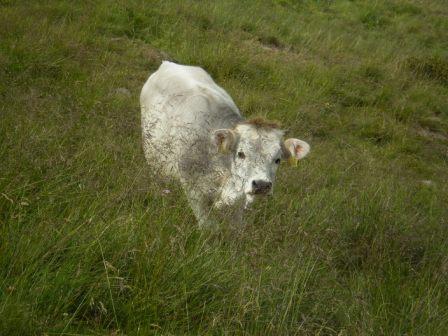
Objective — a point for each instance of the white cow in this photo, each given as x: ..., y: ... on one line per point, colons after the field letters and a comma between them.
x: 194, y: 133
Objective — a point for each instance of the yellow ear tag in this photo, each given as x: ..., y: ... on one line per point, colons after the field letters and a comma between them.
x: 292, y: 161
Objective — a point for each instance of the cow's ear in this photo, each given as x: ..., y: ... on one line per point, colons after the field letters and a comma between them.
x: 224, y: 139
x: 295, y: 150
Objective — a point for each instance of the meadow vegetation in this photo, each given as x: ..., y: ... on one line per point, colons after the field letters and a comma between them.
x: 354, y: 241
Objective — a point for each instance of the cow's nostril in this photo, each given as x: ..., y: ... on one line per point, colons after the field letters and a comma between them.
x: 260, y: 186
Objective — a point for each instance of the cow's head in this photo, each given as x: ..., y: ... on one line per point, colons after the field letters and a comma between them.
x: 255, y: 149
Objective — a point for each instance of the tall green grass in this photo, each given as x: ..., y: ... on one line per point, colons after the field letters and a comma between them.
x: 354, y: 242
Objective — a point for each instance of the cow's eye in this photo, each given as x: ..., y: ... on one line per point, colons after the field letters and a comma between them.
x: 241, y: 155
x: 277, y: 161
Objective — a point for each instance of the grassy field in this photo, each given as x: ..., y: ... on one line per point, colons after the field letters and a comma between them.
x: 355, y: 240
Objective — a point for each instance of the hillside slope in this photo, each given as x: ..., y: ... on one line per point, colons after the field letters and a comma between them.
x: 354, y: 242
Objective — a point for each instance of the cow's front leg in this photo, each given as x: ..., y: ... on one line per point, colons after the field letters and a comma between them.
x: 233, y: 216
x: 237, y: 218
x: 201, y: 208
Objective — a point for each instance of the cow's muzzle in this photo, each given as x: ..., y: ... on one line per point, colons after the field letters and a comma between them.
x: 261, y: 187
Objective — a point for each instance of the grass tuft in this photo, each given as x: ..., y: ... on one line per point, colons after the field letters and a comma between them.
x: 435, y: 68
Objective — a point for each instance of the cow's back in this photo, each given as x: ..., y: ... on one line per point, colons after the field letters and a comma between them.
x: 180, y: 106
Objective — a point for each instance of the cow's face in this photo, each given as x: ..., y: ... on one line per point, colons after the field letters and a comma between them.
x: 255, y: 155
